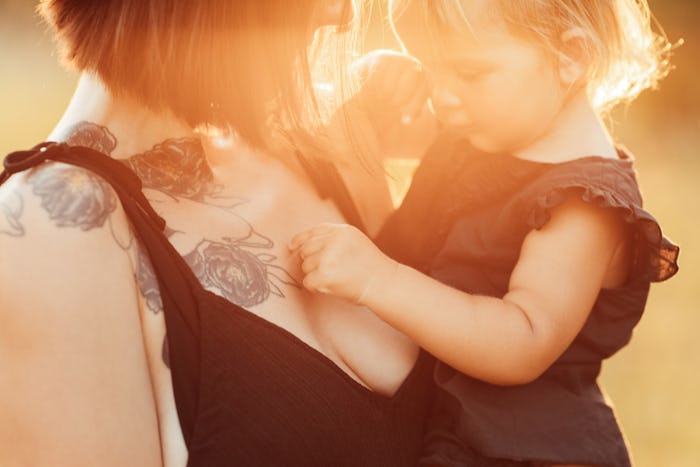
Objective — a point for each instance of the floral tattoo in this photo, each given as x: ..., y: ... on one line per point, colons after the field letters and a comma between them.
x: 74, y: 197
x: 243, y: 277
x: 12, y: 212
x: 92, y: 136
x: 162, y: 168
x: 239, y: 268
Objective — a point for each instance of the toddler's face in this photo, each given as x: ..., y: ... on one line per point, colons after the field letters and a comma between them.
x: 498, y: 90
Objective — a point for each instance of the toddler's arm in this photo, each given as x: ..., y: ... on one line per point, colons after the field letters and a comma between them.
x: 508, y: 340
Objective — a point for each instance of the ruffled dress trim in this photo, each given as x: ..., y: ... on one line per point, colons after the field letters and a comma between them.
x: 610, y: 184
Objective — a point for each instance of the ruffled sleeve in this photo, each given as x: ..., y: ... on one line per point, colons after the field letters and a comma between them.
x: 608, y: 184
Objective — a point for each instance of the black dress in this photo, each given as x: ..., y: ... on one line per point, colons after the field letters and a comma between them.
x: 463, y: 222
x: 249, y: 393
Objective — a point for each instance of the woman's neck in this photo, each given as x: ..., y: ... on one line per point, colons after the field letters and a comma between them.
x: 115, y: 125
x: 577, y: 131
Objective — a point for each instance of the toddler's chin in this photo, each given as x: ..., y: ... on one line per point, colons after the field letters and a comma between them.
x: 479, y: 140
x: 483, y: 143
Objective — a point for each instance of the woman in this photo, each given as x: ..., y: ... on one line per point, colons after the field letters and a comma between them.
x: 252, y: 370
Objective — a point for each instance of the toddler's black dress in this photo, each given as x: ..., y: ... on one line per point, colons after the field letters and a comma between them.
x: 463, y: 222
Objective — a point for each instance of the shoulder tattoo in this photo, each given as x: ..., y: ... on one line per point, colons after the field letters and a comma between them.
x: 11, y: 209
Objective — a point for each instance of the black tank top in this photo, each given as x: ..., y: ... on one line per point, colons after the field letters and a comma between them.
x: 249, y: 393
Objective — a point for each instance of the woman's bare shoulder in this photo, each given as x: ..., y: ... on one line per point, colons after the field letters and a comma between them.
x: 69, y: 306
x: 62, y: 231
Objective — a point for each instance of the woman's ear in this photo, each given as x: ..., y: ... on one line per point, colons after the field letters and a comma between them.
x: 573, y: 57
x: 333, y: 13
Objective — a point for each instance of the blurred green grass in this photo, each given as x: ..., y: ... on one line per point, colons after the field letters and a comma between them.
x: 654, y: 383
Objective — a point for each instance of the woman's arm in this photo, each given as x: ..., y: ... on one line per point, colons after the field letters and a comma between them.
x: 508, y: 340
x: 75, y: 386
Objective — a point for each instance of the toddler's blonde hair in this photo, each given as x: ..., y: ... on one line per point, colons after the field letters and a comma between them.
x: 623, y: 52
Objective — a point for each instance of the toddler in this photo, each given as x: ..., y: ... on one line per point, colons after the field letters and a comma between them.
x: 521, y: 257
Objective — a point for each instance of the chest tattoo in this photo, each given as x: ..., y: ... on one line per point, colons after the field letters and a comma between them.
x: 240, y: 266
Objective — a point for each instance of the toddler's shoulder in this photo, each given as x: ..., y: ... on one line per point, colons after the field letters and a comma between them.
x: 611, y: 186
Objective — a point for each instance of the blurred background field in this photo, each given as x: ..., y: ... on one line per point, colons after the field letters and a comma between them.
x: 655, y: 382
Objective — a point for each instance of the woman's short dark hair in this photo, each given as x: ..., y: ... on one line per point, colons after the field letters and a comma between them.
x: 211, y: 62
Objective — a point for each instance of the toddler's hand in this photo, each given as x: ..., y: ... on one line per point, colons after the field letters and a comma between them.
x: 338, y: 259
x: 389, y: 116
x: 394, y: 89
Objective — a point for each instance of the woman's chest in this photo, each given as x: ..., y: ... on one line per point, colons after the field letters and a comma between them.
x: 236, y: 245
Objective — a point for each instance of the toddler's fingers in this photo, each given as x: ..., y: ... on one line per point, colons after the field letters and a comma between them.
x: 410, y: 80
x: 369, y: 61
x: 299, y: 239
x: 364, y: 66
x: 381, y: 74
x: 415, y: 108
x: 315, y: 283
x: 310, y: 263
x: 315, y: 245
x: 302, y: 237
